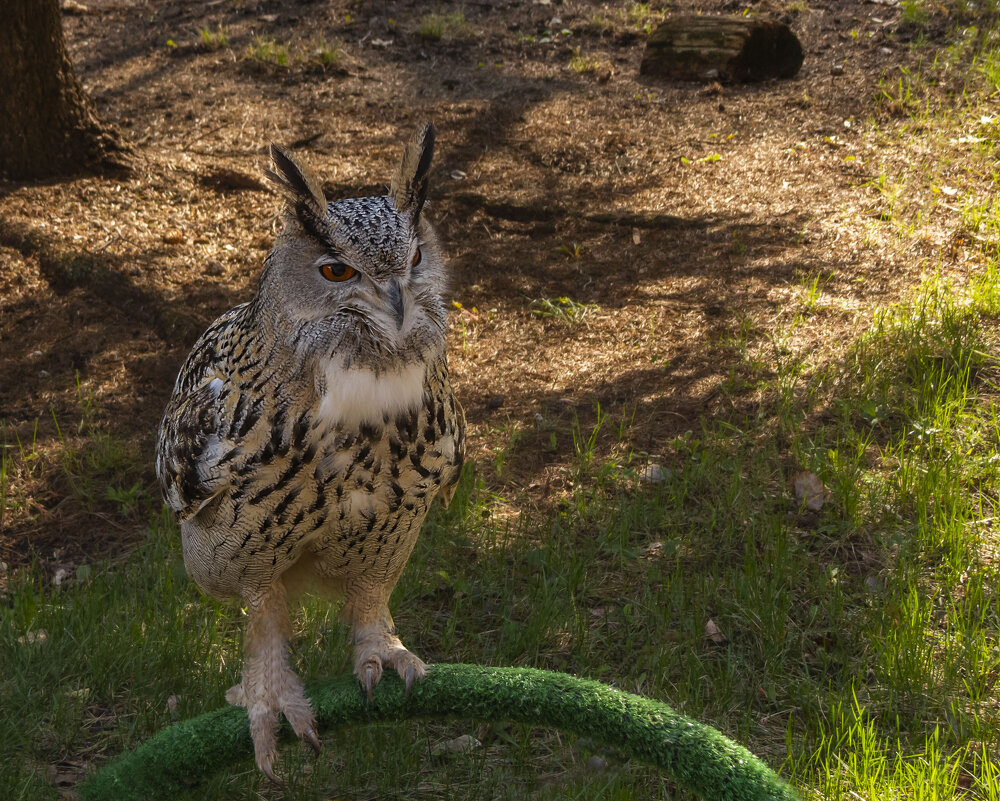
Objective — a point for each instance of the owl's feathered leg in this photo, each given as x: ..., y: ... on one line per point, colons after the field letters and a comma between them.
x: 376, y: 645
x: 268, y: 685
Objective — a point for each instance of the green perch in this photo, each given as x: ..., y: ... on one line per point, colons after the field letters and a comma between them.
x: 695, y: 756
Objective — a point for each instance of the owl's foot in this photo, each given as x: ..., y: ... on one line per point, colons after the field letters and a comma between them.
x: 263, y: 707
x: 374, y: 653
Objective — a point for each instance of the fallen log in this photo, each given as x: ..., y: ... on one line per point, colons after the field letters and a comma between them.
x: 734, y: 49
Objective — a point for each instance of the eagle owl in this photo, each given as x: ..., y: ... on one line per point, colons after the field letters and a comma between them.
x: 310, y: 429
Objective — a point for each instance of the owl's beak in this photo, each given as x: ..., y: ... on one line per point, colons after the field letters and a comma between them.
x: 395, y: 297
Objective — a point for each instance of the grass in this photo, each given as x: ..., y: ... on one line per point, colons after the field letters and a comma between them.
x: 565, y: 310
x: 859, y: 642
x: 325, y: 55
x: 584, y: 64
x: 214, y: 40
x: 266, y: 51
x: 440, y: 26
x: 631, y: 16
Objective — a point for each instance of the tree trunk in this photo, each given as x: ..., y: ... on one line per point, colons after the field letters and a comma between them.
x: 49, y: 126
x: 691, y: 48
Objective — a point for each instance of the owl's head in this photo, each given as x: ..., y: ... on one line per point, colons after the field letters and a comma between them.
x: 359, y: 279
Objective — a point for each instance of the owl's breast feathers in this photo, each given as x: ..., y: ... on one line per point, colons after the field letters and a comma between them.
x: 243, y: 424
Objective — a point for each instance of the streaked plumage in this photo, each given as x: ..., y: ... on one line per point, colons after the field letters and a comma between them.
x: 310, y: 429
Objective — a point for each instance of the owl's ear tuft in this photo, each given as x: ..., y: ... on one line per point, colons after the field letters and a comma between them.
x: 300, y: 187
x: 409, y: 184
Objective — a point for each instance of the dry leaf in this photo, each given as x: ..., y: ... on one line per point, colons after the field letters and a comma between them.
x: 32, y: 637
x: 73, y: 7
x: 65, y: 773
x: 809, y: 491
x: 714, y: 634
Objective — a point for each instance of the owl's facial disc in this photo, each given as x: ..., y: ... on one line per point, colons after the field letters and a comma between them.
x: 389, y: 297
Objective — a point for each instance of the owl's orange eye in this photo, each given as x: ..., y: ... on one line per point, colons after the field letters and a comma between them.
x: 337, y: 271
x: 416, y: 258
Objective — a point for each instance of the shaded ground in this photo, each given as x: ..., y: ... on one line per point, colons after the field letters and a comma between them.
x: 559, y: 173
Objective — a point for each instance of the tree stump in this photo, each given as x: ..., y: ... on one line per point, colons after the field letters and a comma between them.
x: 740, y: 49
x: 48, y: 126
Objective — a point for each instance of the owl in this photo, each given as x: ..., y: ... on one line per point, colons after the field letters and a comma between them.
x: 311, y: 428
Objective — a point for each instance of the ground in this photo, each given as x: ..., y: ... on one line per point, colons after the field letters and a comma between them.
x: 726, y: 354
x: 679, y: 215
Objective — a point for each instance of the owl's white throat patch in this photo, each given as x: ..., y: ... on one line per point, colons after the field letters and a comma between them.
x: 351, y: 396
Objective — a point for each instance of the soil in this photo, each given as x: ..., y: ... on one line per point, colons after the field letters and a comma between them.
x: 689, y: 214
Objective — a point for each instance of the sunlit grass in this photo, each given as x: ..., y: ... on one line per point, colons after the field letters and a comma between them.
x: 858, y: 643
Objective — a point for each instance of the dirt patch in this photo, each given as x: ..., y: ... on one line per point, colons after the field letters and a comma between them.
x: 688, y: 215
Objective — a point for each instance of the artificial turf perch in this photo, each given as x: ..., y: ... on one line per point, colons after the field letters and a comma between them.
x: 695, y: 756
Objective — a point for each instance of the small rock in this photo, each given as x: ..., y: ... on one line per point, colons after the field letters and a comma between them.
x: 60, y: 576
x: 495, y: 402
x: 555, y: 22
x: 654, y: 474
x: 597, y: 763
x: 458, y: 175
x: 809, y: 491
x: 885, y: 51
x: 43, y: 374
x: 837, y: 69
x: 461, y: 744
x: 214, y: 267
x: 173, y: 237
x: 35, y: 354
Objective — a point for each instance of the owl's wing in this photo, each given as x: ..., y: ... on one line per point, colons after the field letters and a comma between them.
x: 447, y: 491
x: 199, y: 433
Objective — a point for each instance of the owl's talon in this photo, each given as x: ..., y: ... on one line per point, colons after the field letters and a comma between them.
x: 268, y: 771
x: 312, y: 740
